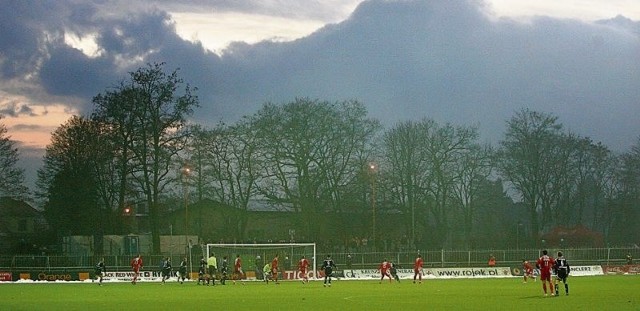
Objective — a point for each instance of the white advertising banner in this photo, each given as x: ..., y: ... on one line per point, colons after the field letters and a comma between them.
x: 586, y: 270
x: 433, y: 273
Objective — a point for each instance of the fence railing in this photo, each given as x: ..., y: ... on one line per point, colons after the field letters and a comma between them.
x: 364, y: 260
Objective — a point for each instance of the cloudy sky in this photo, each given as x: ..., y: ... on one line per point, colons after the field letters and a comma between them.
x: 464, y: 62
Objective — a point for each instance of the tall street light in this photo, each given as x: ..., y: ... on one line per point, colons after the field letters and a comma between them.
x: 373, y: 169
x: 518, y: 235
x: 186, y: 172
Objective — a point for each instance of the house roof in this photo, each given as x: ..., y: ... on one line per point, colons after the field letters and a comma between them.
x: 15, y: 208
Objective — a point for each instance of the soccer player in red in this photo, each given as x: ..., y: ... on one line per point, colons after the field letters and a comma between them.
x: 417, y: 269
x: 303, y: 266
x: 384, y: 270
x: 527, y: 268
x: 274, y: 269
x: 237, y: 269
x: 136, y: 265
x: 545, y: 264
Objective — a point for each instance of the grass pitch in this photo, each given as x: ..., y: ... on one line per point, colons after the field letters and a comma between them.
x: 586, y: 293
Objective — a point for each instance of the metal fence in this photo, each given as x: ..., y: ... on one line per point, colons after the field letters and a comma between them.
x: 364, y: 260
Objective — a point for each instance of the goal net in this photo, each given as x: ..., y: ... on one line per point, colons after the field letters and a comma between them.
x: 255, y: 256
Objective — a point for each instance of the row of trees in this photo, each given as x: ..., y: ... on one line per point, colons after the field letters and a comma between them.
x: 318, y: 159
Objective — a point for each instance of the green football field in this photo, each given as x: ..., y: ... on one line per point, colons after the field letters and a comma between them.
x: 586, y: 293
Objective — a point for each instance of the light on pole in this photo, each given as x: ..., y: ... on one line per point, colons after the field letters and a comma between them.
x: 518, y: 235
x: 373, y: 169
x: 186, y: 172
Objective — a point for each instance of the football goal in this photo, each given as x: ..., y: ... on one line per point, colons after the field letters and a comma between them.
x: 255, y: 256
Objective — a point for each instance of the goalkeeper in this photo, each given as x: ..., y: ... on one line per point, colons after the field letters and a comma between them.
x: 266, y: 272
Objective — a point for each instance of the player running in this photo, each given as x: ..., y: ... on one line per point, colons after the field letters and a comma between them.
x: 562, y: 273
x: 527, y: 269
x: 384, y: 270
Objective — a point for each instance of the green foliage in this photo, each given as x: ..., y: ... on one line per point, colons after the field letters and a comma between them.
x: 11, y: 176
x: 587, y: 293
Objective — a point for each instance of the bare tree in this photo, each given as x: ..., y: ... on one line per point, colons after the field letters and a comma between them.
x: 159, y: 111
x: 308, y: 149
x: 527, y: 158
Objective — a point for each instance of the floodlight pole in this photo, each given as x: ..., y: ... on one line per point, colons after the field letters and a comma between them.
x: 372, y: 171
x: 186, y: 171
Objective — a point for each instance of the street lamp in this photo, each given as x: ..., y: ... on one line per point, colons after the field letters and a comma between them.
x: 186, y: 172
x: 518, y: 235
x: 373, y: 169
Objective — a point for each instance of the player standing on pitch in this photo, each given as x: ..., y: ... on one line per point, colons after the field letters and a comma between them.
x: 274, y: 269
x: 417, y: 269
x: 101, y: 269
x: 136, y: 265
x: 212, y: 261
x: 545, y: 264
x: 166, y: 269
x: 224, y: 270
x: 237, y: 270
x: 183, y: 270
x: 327, y: 266
x: 562, y: 272
x: 303, y: 266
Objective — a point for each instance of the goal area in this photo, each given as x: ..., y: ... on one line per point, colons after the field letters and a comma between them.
x: 255, y: 256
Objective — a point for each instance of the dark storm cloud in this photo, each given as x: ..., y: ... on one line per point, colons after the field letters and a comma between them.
x: 33, y: 47
x: 15, y: 108
x: 445, y: 60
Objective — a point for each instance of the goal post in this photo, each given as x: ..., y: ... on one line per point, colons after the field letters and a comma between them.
x: 255, y: 255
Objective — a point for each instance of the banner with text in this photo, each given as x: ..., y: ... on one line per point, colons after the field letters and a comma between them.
x: 433, y: 273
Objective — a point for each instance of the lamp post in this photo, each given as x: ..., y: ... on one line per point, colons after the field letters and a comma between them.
x: 186, y: 171
x: 373, y: 168
x: 518, y: 235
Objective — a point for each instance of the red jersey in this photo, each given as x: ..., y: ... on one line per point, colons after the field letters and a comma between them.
x: 237, y: 265
x: 417, y: 265
x: 136, y: 264
x: 527, y: 267
x: 274, y: 264
x: 545, y: 263
x: 303, y: 264
x: 384, y: 267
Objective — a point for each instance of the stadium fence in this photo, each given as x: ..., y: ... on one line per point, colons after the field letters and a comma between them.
x: 359, y: 260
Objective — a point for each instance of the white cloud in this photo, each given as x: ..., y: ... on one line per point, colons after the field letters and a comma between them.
x: 217, y: 30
